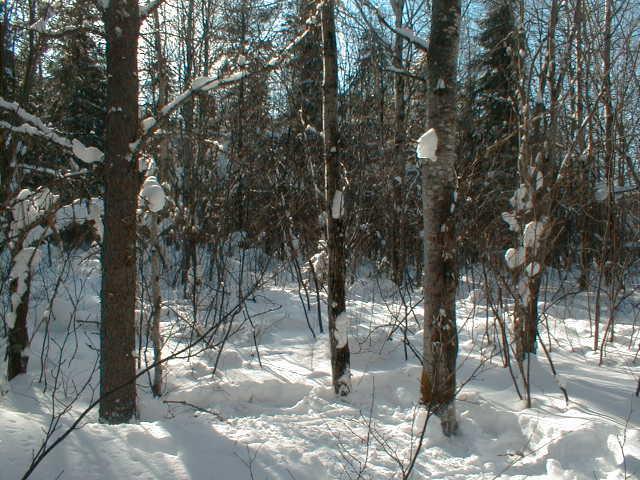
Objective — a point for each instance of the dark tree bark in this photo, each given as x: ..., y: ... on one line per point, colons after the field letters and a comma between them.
x: 4, y: 25
x: 188, y: 157
x: 310, y: 69
x: 334, y: 191
x: 117, y: 332
x: 438, y: 384
x: 537, y: 152
x: 399, y: 254
x: 18, y: 338
x: 583, y: 226
x: 18, y: 341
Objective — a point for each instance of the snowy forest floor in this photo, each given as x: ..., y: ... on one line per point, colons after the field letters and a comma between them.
x: 281, y: 420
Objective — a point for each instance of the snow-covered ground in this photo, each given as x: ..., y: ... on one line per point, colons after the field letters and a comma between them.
x: 281, y: 420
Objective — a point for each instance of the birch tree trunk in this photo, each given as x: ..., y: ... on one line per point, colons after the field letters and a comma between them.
x: 117, y: 332
x: 156, y: 300
x: 438, y: 383
x: 338, y: 321
x: 163, y: 166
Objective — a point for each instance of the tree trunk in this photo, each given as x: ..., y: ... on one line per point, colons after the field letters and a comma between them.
x: 18, y: 340
x: 334, y: 186
x: 611, y: 246
x: 438, y: 384
x: 583, y: 225
x: 398, y: 215
x: 188, y: 157
x: 117, y: 332
x: 156, y: 309
x: 4, y: 26
x: 163, y: 165
x: 10, y: 181
x: 163, y: 97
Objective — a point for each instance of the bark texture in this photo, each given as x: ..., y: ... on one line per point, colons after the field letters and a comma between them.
x: 438, y: 184
x: 399, y: 254
x: 338, y: 325
x: 117, y: 331
x: 18, y: 341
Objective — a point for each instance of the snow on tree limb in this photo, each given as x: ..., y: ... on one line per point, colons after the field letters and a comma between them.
x: 404, y: 72
x: 275, y: 61
x: 29, y: 209
x: 34, y: 168
x: 148, y: 8
x: 34, y: 126
x: 410, y: 35
x: 23, y: 266
x: 153, y: 194
x: 86, y: 154
x: 29, y: 118
x: 206, y: 84
x: 404, y: 32
x: 28, y: 129
x: 199, y: 85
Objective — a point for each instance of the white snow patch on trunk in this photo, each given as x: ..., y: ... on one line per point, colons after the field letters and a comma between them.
x: 341, y: 333
x: 521, y: 199
x: 514, y: 257
x: 147, y: 124
x: 533, y: 234
x: 427, y: 145
x: 337, y: 205
x: 524, y: 290
x: 511, y: 220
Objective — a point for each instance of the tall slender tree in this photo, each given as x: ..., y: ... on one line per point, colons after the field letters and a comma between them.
x: 399, y: 254
x: 121, y: 182
x: 334, y: 192
x: 11, y: 182
x: 440, y: 277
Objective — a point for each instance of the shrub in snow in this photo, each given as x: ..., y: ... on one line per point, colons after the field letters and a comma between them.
x: 30, y: 208
x: 80, y: 223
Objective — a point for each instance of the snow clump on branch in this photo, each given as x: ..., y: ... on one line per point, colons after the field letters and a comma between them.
x: 153, y: 193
